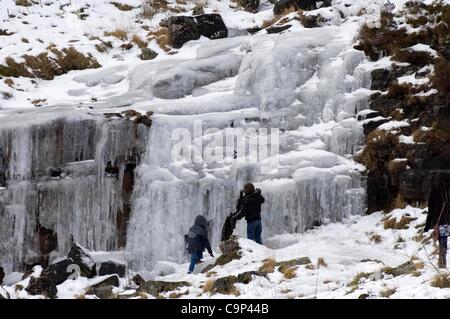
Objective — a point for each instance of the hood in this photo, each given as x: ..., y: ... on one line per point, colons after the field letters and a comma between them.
x: 201, y: 221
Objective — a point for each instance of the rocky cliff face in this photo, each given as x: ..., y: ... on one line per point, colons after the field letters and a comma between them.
x: 407, y: 136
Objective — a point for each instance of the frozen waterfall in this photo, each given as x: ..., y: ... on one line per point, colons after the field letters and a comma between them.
x: 310, y: 86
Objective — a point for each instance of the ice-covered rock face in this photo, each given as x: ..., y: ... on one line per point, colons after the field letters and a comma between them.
x: 308, y: 84
x: 56, y: 176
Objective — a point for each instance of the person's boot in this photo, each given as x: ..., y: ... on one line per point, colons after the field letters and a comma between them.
x: 199, y: 261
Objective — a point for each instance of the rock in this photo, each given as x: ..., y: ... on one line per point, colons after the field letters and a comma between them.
x: 380, y: 79
x: 404, y: 269
x: 104, y: 292
x: 247, y: 276
x: 363, y: 296
x: 211, y: 26
x: 2, y: 275
x: 283, y: 5
x: 110, y: 267
x: 58, y: 272
x: 207, y: 268
x: 230, y: 251
x: 370, y: 126
x: 109, y: 281
x: 81, y: 257
x: 144, y: 119
x: 278, y: 29
x: 181, y: 30
x: 147, y: 54
x: 42, y: 286
x: 138, y: 280
x: 156, y: 287
x: 293, y: 262
x: 198, y: 9
x: 4, y: 294
x: 225, y: 285
x: 249, y: 5
x: 378, y: 193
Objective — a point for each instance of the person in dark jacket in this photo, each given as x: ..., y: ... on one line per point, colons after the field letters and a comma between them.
x: 197, y: 241
x: 249, y: 206
x: 439, y: 214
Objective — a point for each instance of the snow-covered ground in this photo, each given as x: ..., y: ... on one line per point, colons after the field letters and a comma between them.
x: 359, y: 245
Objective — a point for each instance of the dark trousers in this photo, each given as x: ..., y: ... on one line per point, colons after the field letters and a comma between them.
x: 254, y: 230
x: 442, y: 251
x: 195, y: 256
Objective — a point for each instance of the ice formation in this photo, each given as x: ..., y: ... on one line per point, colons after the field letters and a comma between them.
x: 309, y: 84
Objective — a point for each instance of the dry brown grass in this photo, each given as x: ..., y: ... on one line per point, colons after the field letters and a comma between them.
x: 142, y: 295
x: 80, y: 296
x: 44, y: 67
x: 290, y: 273
x: 397, y: 166
x: 208, y: 286
x: 376, y: 140
x: 441, y: 281
x: 138, y: 41
x: 9, y: 82
x: 387, y: 292
x: 118, y: 33
x: 321, y: 262
x: 376, y: 238
x: 438, y: 134
x: 23, y: 3
x: 403, y: 223
x: 268, y: 265
x: 150, y: 8
x: 122, y: 6
x: 161, y: 35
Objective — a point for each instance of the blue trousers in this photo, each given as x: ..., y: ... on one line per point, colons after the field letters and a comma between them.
x: 195, y: 255
x: 254, y: 230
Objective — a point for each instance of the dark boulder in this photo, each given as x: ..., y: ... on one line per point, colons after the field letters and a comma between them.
x: 278, y: 29
x: 370, y: 126
x: 380, y: 79
x: 211, y: 26
x: 138, y: 280
x: 2, y: 275
x: 59, y: 271
x: 81, y: 257
x: 249, y: 5
x: 42, y: 286
x: 225, y: 285
x: 147, y: 54
x: 154, y: 288
x: 285, y: 5
x: 181, y: 30
x: 247, y: 276
x: 378, y: 192
x: 110, y: 267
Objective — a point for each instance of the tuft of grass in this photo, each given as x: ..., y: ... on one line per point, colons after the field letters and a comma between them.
x: 392, y: 223
x: 289, y: 273
x: 268, y: 265
x: 376, y: 238
x: 122, y: 6
x: 138, y: 41
x: 142, y: 294
x: 355, y: 281
x: 211, y: 273
x: 209, y: 286
x: 9, y: 82
x: 151, y: 7
x: 321, y: 262
x: 23, y: 3
x: 161, y: 35
x: 441, y: 281
x: 118, y: 33
x: 46, y: 67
